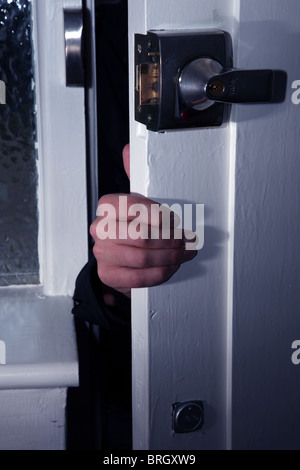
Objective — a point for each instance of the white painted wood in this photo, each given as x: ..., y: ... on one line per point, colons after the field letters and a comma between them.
x: 61, y: 150
x: 40, y: 360
x: 91, y: 104
x: 38, y: 334
x: 40, y: 364
x: 180, y: 328
x: 266, y: 410
x: 221, y: 330
x: 32, y: 419
x: 2, y: 353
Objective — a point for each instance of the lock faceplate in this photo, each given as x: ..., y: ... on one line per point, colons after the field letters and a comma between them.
x: 185, y: 79
x: 160, y: 57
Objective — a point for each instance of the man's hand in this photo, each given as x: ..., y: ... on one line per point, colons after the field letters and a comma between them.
x: 126, y: 261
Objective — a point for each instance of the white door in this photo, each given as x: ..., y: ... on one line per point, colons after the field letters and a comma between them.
x: 225, y: 329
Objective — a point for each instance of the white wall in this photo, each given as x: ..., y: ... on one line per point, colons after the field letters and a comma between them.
x: 32, y: 419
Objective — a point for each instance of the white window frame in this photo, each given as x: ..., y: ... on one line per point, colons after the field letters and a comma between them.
x: 62, y: 151
x: 63, y: 231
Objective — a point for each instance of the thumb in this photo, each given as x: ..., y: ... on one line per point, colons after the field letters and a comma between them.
x: 126, y: 159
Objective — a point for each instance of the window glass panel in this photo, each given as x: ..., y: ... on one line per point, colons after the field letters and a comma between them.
x: 18, y: 170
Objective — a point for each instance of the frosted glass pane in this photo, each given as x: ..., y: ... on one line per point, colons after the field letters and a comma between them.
x: 18, y: 172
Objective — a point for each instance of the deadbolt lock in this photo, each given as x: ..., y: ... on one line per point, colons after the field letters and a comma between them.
x: 185, y: 79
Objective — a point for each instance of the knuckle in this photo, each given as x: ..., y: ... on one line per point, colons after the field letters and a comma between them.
x: 100, y: 203
x: 143, y: 260
x: 103, y: 200
x: 96, y: 230
x: 143, y: 243
x: 97, y: 250
x: 93, y: 229
x: 162, y: 274
x: 120, y: 279
x: 104, y: 275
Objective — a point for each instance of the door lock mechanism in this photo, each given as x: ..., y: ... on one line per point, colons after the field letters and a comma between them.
x: 185, y: 79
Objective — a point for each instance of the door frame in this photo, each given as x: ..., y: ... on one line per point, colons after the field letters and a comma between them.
x: 158, y: 313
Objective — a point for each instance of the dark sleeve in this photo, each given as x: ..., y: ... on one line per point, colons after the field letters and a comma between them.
x: 89, y: 304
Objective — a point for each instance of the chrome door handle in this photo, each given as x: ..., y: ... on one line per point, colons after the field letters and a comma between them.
x: 242, y: 86
x: 185, y: 79
x: 73, y: 22
x: 204, y: 81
